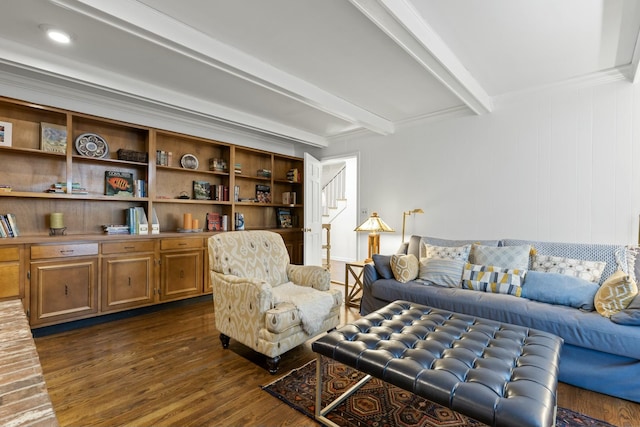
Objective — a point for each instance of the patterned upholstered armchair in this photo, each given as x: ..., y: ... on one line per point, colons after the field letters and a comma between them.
x: 263, y: 301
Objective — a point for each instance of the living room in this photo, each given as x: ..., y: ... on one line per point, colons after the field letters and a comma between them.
x: 529, y: 132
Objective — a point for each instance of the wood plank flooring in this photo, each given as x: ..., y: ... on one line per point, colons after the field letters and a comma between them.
x: 168, y: 368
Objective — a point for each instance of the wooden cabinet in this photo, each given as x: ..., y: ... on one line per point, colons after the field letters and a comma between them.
x: 11, y: 276
x: 84, y: 272
x: 64, y: 282
x: 181, y: 266
x: 128, y: 274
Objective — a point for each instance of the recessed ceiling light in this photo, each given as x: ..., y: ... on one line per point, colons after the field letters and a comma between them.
x: 56, y: 34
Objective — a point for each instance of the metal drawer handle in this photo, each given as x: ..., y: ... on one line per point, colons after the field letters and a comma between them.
x: 66, y: 251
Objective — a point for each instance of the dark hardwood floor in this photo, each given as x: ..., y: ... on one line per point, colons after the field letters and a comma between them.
x: 168, y: 368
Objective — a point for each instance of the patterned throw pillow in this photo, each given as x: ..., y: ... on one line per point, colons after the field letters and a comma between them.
x: 447, y: 252
x: 442, y: 272
x: 502, y: 256
x: 405, y: 267
x: 587, y: 270
x: 489, y: 278
x: 615, y: 294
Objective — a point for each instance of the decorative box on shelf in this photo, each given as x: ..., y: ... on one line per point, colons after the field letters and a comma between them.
x: 132, y: 156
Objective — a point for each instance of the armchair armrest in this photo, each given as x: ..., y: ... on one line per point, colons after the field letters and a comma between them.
x: 310, y: 275
x: 242, y: 289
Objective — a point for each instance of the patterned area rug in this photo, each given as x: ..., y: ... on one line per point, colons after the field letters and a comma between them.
x: 378, y: 403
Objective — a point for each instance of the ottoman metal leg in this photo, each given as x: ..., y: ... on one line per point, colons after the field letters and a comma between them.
x: 322, y: 412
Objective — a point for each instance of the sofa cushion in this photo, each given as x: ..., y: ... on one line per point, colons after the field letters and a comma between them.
x: 404, y: 267
x: 556, y: 288
x: 442, y: 272
x: 587, y: 270
x: 446, y: 252
x: 516, y: 257
x: 615, y: 294
x: 630, y: 315
x: 586, y: 251
x: 489, y: 278
x: 382, y: 263
x: 415, y: 246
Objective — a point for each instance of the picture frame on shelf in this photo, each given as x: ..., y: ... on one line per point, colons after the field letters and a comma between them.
x: 201, y: 190
x: 53, y: 138
x: 6, y: 132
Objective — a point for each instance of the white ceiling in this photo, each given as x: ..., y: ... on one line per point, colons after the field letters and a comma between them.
x: 309, y: 70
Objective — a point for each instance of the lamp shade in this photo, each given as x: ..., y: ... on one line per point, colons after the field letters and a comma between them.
x: 374, y: 224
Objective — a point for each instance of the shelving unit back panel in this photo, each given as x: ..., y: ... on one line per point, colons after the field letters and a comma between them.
x: 203, y: 150
x: 116, y: 135
x: 49, y: 170
x: 26, y: 123
x: 251, y: 161
x: 171, y: 215
x: 80, y: 217
x: 92, y: 175
x: 172, y: 182
x: 257, y: 217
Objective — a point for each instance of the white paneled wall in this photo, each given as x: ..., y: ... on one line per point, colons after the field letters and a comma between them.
x: 555, y: 165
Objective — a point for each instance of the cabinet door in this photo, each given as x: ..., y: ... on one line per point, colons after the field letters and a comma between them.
x: 10, y: 272
x: 127, y: 282
x: 181, y: 274
x: 63, y: 290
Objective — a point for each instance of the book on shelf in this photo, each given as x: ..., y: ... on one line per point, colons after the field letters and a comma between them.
x: 164, y: 158
x: 239, y: 220
x: 236, y: 193
x: 201, y: 190
x: 284, y: 218
x: 264, y: 173
x: 117, y: 183
x: 225, y: 222
x: 5, y: 188
x: 137, y: 221
x: 263, y: 193
x: 140, y: 188
x: 289, y: 198
x: 214, y: 221
x: 220, y: 193
x: 9, y: 225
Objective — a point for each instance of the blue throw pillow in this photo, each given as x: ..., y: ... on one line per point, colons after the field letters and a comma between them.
x: 630, y: 315
x: 556, y: 288
x: 382, y: 263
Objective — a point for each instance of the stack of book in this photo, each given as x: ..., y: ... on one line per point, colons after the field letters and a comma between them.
x: 115, y: 229
x: 8, y: 225
x: 237, y: 168
x: 293, y: 175
x: 264, y: 173
x: 4, y: 188
x: 61, y: 188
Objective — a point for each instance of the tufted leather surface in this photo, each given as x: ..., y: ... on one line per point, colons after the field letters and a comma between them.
x: 497, y: 373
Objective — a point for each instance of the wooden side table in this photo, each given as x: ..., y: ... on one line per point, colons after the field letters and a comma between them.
x: 353, y: 270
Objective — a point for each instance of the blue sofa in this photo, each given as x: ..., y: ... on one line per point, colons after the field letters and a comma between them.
x: 598, y: 354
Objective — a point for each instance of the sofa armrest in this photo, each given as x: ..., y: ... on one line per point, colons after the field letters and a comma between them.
x: 310, y: 275
x: 369, y: 275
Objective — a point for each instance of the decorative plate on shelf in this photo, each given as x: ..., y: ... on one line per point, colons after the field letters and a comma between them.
x: 189, y: 161
x: 92, y: 145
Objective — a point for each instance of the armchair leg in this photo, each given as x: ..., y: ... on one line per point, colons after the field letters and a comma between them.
x: 225, y: 340
x: 272, y: 364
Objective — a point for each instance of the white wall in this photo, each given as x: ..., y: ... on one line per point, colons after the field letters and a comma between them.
x: 555, y: 165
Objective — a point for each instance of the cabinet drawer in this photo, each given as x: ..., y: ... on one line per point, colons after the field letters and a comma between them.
x: 125, y: 247
x: 62, y: 251
x: 168, y: 244
x: 10, y: 254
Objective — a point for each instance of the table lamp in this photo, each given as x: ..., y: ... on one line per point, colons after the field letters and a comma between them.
x: 374, y: 224
x: 404, y: 217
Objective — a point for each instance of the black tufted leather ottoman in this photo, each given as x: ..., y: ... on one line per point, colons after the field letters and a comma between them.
x: 497, y: 373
